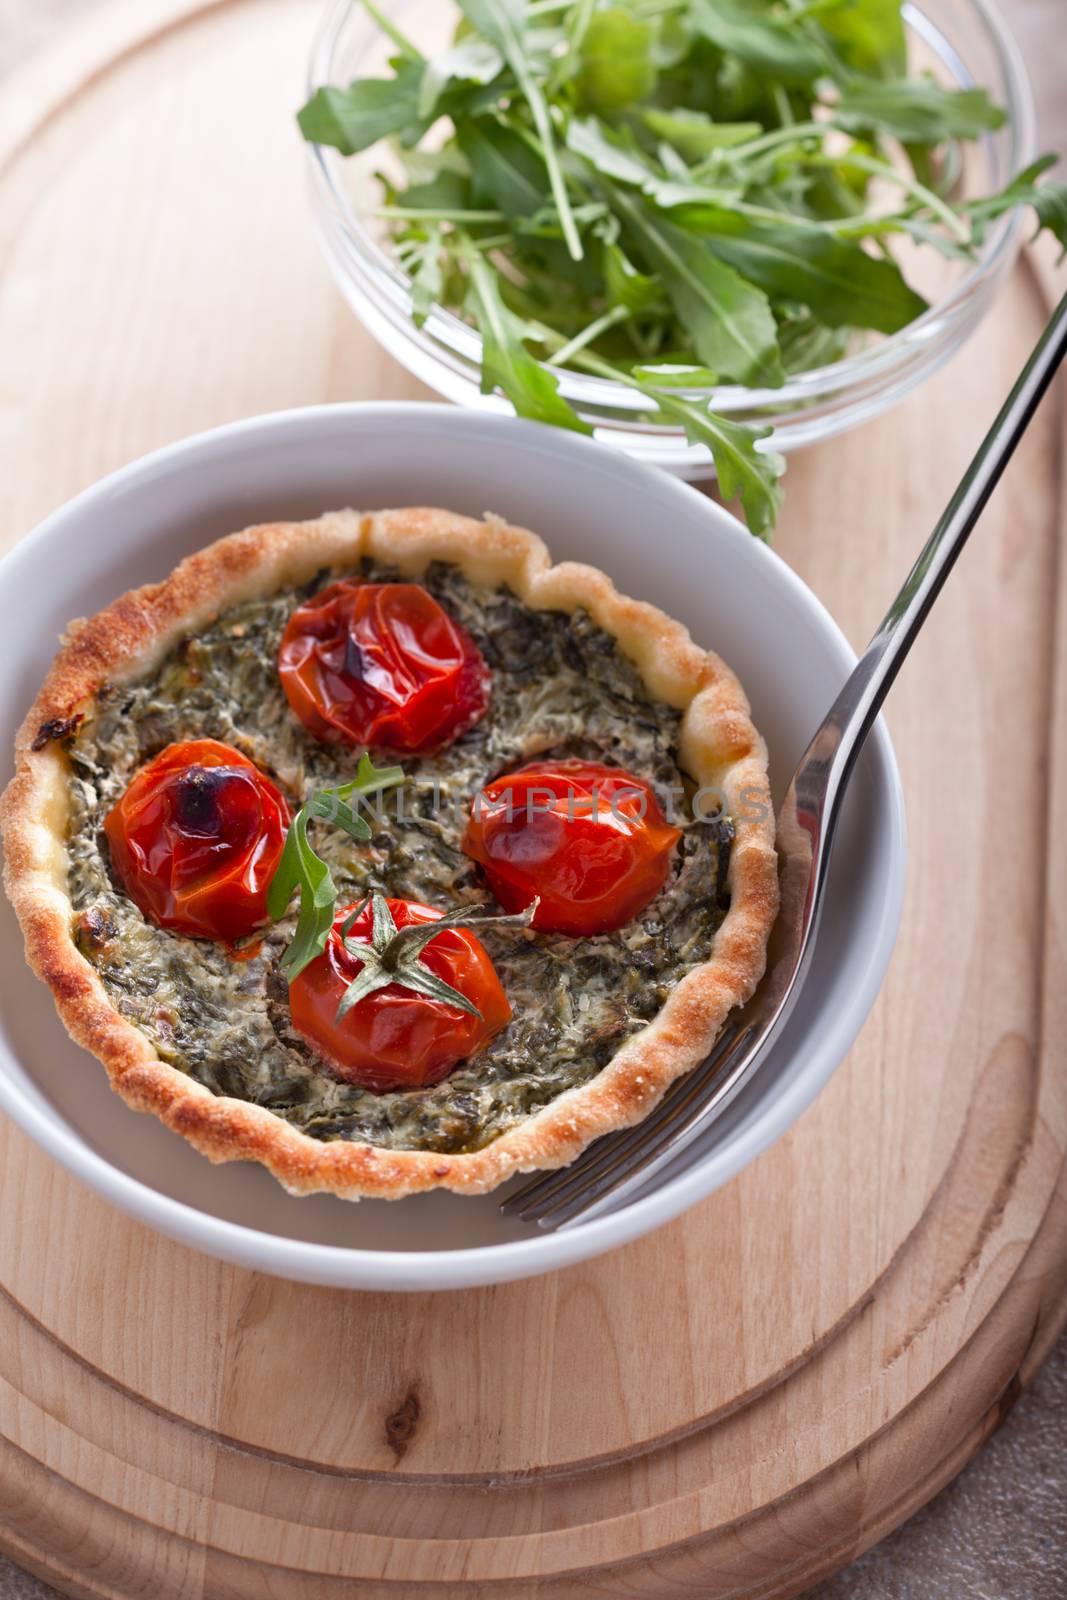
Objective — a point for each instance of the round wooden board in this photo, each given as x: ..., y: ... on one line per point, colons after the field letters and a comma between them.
x: 739, y: 1404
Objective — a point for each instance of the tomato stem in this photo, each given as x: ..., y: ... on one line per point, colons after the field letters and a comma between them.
x: 392, y: 954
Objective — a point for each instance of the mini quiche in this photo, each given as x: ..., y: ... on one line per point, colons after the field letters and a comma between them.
x: 584, y: 809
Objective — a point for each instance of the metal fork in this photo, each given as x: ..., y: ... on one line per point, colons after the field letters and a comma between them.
x: 618, y: 1167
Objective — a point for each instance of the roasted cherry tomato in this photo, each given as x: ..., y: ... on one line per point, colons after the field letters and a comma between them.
x: 382, y: 664
x: 196, y: 838
x: 591, y: 841
x: 396, y: 1038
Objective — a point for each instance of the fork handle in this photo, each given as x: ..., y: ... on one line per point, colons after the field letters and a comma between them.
x: 833, y: 750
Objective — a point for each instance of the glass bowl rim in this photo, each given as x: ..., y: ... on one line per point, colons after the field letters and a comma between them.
x: 863, y: 366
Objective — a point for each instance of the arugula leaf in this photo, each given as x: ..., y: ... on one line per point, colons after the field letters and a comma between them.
x: 807, y: 343
x: 505, y: 170
x: 627, y: 287
x: 426, y: 166
x: 616, y: 155
x: 300, y: 868
x: 729, y: 321
x: 470, y: 61
x: 1048, y: 200
x: 606, y: 152
x: 673, y: 43
x: 868, y: 34
x: 742, y: 470
x: 333, y: 805
x: 802, y: 261
x: 924, y: 232
x: 777, y: 49
x: 695, y: 135
x: 506, y: 363
x: 370, y: 109
x: 916, y: 110
x: 502, y: 23
x: 427, y: 276
x: 674, y: 375
x: 370, y: 779
x: 512, y: 175
x: 448, y: 191
x: 617, y: 64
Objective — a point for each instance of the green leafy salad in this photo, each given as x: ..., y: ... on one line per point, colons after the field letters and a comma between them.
x: 673, y: 194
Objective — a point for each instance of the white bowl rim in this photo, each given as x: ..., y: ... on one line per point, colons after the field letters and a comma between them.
x: 474, y: 1266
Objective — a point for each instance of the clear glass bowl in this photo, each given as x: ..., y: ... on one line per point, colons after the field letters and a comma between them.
x: 965, y: 42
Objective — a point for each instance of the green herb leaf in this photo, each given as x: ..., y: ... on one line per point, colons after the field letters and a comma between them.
x: 471, y: 61
x: 923, y: 231
x: 303, y: 870
x: 695, y: 135
x: 627, y: 287
x: 427, y: 276
x: 370, y: 109
x: 617, y: 62
x: 807, y: 343
x: 425, y: 166
x: 300, y: 868
x: 672, y: 375
x: 506, y: 363
x: 729, y: 321
x: 916, y: 110
x: 617, y: 156
x: 868, y: 35
x: 329, y: 807
x: 801, y: 261
x: 1048, y: 200
x: 506, y: 172
x: 502, y: 23
x: 606, y: 152
x: 780, y: 50
x: 370, y: 779
x: 446, y: 193
x: 742, y: 470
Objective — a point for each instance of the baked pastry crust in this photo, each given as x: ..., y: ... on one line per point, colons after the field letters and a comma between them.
x: 719, y: 747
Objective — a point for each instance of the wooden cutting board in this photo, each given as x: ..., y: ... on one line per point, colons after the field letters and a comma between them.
x: 741, y: 1403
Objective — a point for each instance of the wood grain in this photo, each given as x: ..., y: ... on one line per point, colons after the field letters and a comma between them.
x: 766, y: 1386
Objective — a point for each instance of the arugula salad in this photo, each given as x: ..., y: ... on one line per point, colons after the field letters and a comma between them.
x: 673, y: 194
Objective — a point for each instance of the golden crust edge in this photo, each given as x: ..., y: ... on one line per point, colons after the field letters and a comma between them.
x: 719, y: 746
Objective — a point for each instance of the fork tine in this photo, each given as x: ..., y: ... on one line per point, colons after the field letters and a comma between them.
x: 671, y: 1141
x: 545, y: 1187
x: 643, y: 1158
x: 622, y: 1170
x: 539, y: 1197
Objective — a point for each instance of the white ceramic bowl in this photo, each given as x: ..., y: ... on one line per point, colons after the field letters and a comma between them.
x: 658, y: 539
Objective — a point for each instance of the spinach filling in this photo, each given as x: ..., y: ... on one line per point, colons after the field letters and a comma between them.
x: 560, y: 686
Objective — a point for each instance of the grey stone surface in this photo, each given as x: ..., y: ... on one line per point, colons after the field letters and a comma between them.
x: 1000, y: 1531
